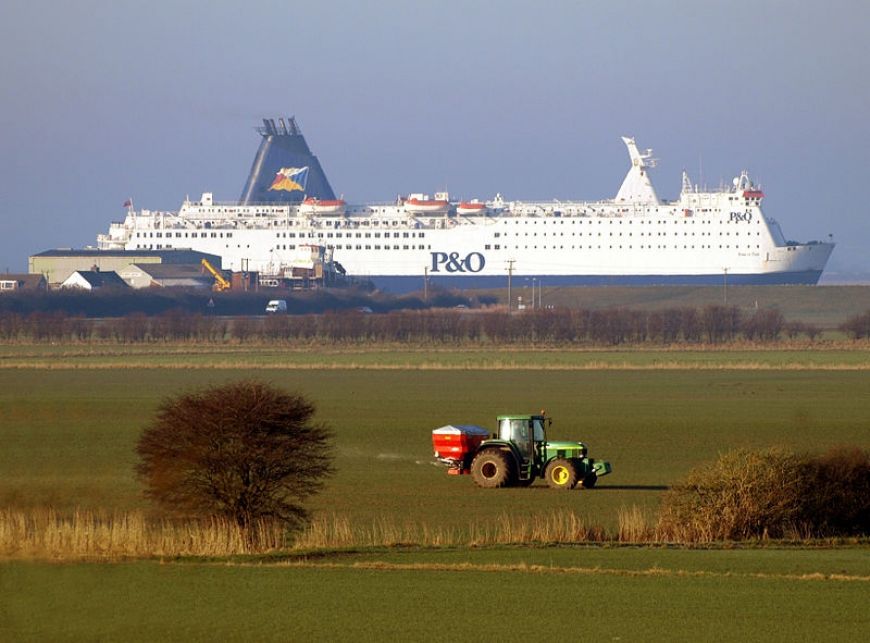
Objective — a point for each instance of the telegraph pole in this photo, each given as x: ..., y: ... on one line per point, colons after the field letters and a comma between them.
x: 510, y: 263
x: 426, y: 283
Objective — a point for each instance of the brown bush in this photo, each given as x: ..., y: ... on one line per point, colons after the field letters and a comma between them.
x: 243, y: 451
x: 839, y: 500
x: 858, y: 326
x: 771, y: 493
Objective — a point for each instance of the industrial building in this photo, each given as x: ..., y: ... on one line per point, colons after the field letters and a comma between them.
x: 57, y: 265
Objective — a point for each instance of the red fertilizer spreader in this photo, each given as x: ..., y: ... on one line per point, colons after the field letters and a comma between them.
x: 456, y: 444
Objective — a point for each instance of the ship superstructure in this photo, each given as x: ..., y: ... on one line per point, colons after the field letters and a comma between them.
x: 703, y: 236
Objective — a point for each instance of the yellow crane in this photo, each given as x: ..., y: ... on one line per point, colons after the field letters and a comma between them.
x: 220, y: 282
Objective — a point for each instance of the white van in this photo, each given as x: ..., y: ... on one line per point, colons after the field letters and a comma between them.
x: 277, y: 306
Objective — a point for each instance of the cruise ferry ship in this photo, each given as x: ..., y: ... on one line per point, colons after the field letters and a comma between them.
x: 287, y: 206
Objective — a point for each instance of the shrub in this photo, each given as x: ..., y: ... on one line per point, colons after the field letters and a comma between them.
x: 858, y: 326
x: 772, y: 493
x: 243, y: 451
x: 839, y: 500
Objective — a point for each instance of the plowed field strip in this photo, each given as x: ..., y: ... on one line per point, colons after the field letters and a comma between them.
x: 436, y: 366
x: 547, y: 569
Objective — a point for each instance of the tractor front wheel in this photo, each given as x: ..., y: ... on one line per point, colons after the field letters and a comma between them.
x: 561, y: 474
x: 492, y: 469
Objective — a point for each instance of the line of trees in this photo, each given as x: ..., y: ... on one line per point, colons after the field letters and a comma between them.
x: 713, y: 324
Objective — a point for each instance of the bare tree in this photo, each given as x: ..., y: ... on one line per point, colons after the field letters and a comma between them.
x: 245, y: 451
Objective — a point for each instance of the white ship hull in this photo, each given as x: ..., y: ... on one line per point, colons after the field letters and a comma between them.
x: 636, y: 238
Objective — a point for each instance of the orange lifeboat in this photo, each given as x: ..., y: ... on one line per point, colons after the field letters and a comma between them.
x: 418, y: 204
x: 323, y: 206
x: 471, y: 207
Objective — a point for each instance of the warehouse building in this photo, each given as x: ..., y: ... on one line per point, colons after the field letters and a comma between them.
x: 57, y: 265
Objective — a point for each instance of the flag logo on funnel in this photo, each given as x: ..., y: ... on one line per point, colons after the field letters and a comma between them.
x: 290, y: 179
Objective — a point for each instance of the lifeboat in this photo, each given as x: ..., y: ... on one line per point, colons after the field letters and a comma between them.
x: 471, y: 207
x: 323, y: 206
x: 422, y: 204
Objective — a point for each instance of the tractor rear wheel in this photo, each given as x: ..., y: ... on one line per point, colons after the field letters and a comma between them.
x: 492, y: 469
x: 561, y: 474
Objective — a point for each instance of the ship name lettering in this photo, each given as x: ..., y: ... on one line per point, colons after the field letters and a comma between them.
x: 742, y: 216
x: 451, y: 262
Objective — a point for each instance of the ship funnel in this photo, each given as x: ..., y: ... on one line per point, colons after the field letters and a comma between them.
x: 284, y: 169
x: 637, y: 187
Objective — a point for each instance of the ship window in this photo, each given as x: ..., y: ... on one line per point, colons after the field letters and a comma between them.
x: 487, y: 247
x: 159, y: 234
x: 497, y: 247
x: 214, y: 235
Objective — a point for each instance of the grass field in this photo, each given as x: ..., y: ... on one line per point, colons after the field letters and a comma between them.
x: 68, y: 434
x: 823, y: 356
x: 825, y: 306
x: 505, y: 594
x: 68, y: 437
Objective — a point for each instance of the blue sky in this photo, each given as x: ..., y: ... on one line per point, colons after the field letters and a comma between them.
x: 100, y: 101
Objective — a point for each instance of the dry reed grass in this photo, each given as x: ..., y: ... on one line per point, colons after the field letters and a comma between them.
x: 635, y: 526
x: 495, y: 365
x: 86, y: 535
x: 331, y: 532
x: 46, y: 534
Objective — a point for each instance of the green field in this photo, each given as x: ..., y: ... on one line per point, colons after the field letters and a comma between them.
x: 507, y: 594
x: 825, y: 306
x: 827, y: 355
x: 68, y: 436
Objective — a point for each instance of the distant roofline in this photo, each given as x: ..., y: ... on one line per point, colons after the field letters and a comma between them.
x: 96, y: 252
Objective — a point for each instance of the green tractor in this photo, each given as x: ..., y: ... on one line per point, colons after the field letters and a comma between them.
x: 517, y: 455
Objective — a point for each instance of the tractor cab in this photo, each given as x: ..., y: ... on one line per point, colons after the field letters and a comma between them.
x: 524, y: 431
x: 528, y: 436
